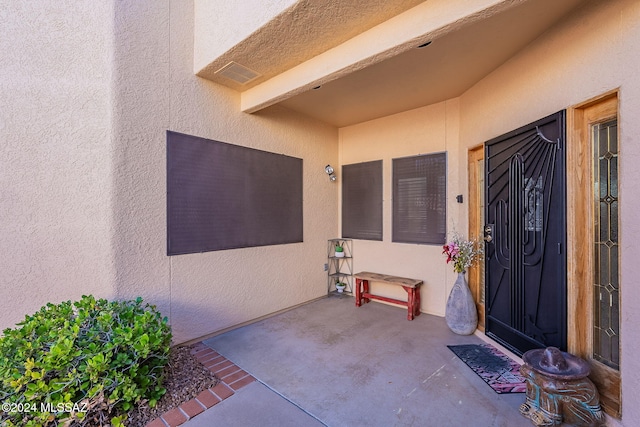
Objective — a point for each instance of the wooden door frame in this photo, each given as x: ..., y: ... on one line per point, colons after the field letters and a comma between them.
x: 580, y: 237
x: 475, y: 226
x: 579, y: 248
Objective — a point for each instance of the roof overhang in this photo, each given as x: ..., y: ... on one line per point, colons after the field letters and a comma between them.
x: 348, y: 61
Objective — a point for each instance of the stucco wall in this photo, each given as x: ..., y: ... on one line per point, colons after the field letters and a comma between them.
x: 155, y: 90
x: 55, y: 154
x: 421, y: 131
x: 93, y: 90
x: 594, y: 51
x: 82, y: 162
x: 233, y: 21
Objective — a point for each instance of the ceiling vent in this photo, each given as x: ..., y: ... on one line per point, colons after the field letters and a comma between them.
x: 238, y: 73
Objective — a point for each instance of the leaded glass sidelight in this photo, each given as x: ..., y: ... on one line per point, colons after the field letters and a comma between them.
x: 606, y: 332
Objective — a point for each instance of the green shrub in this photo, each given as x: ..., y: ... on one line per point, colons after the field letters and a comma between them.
x: 82, y: 363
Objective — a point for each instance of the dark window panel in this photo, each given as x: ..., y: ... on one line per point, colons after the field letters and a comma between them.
x: 420, y: 199
x: 362, y: 201
x: 223, y: 196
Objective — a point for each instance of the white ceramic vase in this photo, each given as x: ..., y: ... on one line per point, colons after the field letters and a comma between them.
x: 461, y: 314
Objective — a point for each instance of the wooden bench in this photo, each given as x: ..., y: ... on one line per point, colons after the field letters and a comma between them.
x: 412, y: 286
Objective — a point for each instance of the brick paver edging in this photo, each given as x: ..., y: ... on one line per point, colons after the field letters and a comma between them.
x: 231, y: 378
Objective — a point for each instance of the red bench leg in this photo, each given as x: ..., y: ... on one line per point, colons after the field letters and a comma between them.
x: 362, y: 287
x: 365, y: 290
x: 411, y: 303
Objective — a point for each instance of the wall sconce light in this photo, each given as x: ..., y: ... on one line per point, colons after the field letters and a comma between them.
x: 329, y: 170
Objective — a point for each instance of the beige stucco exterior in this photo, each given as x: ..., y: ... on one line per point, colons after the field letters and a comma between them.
x: 214, y: 290
x: 91, y: 96
x: 593, y: 52
x: 566, y: 66
x: 87, y: 99
x: 56, y: 168
x: 424, y: 130
x: 232, y: 23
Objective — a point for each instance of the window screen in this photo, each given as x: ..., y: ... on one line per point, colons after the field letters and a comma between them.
x: 223, y: 196
x: 419, y: 199
x: 362, y: 201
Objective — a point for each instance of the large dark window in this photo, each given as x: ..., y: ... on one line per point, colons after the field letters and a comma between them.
x: 362, y: 201
x: 419, y: 199
x: 223, y: 196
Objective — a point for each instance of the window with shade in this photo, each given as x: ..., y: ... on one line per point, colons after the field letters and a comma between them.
x: 362, y: 200
x: 419, y: 199
x: 224, y: 196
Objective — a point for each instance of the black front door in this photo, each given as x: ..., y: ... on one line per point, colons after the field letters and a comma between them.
x: 526, y: 236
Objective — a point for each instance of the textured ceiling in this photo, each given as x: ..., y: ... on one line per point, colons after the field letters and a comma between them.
x: 445, y: 69
x: 299, y: 33
x: 464, y: 49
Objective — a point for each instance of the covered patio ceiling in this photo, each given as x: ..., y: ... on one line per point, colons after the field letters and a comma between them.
x: 349, y: 61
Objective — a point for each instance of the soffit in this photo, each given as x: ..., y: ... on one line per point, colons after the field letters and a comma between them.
x: 443, y: 70
x: 301, y: 46
x: 300, y: 32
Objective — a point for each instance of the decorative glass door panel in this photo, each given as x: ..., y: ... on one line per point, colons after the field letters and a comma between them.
x: 606, y: 333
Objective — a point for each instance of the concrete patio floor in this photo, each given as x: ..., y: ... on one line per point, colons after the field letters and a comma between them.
x: 330, y: 363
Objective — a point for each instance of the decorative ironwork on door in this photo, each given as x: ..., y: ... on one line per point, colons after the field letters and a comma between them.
x: 525, y: 236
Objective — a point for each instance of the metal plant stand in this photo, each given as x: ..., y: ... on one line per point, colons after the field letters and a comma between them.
x: 340, y: 268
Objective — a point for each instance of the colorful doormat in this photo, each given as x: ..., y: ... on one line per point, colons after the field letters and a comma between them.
x: 493, y: 366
